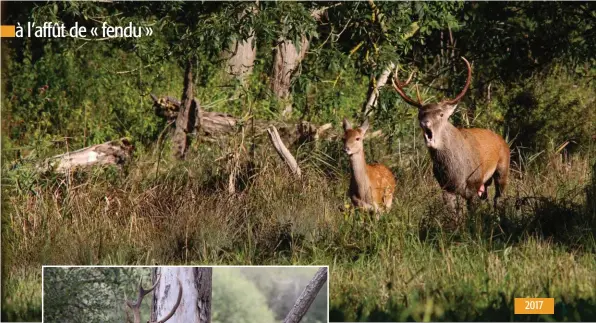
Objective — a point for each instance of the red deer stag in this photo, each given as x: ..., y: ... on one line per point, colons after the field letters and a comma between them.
x: 371, y: 186
x: 136, y: 306
x: 465, y: 161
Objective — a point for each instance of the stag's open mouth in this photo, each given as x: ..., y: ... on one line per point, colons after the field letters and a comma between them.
x: 428, y: 134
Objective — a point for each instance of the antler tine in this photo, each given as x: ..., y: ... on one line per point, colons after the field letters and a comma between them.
x: 398, y: 86
x: 463, y: 92
x: 147, y: 291
x: 167, y: 317
x: 136, y: 306
x: 418, y: 94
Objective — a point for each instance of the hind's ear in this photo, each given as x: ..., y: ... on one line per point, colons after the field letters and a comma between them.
x: 347, y: 124
x: 364, y: 126
x: 449, y: 109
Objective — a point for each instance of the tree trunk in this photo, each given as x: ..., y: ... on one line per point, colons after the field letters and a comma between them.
x: 286, y: 60
x: 241, y: 59
x: 195, y: 306
x: 185, y: 120
x: 241, y: 54
x: 285, y: 63
x: 307, y: 297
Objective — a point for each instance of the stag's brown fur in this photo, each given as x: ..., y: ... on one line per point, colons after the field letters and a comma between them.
x: 371, y: 186
x: 465, y: 161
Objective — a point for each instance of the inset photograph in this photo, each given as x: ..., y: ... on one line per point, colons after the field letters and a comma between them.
x: 186, y: 294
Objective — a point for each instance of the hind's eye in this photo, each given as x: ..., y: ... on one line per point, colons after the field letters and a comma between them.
x: 357, y: 138
x: 441, y: 115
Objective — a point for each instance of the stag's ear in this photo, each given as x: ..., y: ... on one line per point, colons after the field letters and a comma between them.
x: 347, y: 124
x: 364, y: 126
x: 449, y: 109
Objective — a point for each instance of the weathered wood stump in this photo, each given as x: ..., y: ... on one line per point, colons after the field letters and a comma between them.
x: 115, y: 152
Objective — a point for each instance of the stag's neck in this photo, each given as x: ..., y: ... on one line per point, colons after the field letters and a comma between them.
x: 453, y: 150
x: 359, y: 175
x: 454, y: 161
x: 452, y: 140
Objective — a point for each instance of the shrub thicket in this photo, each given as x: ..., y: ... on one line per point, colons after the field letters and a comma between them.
x: 238, y: 300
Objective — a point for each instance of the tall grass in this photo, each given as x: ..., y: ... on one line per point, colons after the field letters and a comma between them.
x: 409, y: 265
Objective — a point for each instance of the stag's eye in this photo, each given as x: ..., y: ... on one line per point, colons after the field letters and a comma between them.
x: 441, y: 115
x: 357, y: 138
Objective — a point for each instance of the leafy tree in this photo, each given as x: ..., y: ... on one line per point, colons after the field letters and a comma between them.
x: 87, y: 294
x: 238, y: 300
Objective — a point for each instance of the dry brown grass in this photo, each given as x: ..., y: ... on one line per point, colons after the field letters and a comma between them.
x: 541, y: 243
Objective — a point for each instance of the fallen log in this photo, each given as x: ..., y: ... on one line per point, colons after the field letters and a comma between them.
x: 115, y: 152
x: 215, y: 124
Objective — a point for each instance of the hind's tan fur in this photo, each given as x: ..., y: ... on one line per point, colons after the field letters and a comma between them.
x: 371, y: 186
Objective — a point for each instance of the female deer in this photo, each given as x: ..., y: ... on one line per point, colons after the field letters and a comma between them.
x: 371, y: 186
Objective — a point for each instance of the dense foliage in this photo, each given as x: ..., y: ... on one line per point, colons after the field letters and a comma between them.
x: 79, y: 294
x: 238, y: 299
x: 76, y: 92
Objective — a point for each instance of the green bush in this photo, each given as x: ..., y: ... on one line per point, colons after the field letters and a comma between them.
x: 545, y: 112
x: 87, y: 97
x: 237, y: 300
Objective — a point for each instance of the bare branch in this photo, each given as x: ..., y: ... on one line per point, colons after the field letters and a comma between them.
x: 307, y: 297
x: 317, y: 13
x: 374, y: 94
x: 283, y: 152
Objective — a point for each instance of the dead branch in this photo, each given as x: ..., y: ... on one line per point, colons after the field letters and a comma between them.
x: 307, y: 297
x: 374, y: 93
x: 283, y: 152
x: 115, y: 152
x: 216, y: 124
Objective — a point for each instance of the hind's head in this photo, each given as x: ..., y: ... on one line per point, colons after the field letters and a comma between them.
x: 353, y: 137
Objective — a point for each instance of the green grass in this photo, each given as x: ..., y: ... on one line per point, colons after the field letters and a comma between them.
x: 410, y: 265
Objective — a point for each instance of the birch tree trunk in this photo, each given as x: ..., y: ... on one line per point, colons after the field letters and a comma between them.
x: 241, y: 58
x: 195, y: 306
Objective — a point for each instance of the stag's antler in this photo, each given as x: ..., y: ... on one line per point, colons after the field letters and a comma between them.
x: 463, y: 92
x: 136, y: 306
x: 398, y: 86
x: 167, y: 317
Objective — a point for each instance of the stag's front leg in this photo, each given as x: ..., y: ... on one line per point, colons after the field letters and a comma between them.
x: 450, y: 200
